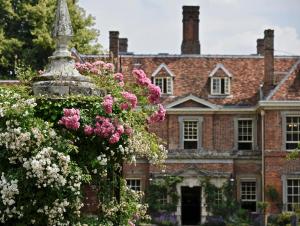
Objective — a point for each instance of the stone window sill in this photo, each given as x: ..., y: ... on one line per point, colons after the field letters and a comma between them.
x: 220, y: 96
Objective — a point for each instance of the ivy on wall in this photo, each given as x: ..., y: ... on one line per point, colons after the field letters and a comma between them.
x: 160, y: 189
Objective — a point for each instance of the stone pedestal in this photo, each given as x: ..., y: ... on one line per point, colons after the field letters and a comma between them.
x: 61, y: 78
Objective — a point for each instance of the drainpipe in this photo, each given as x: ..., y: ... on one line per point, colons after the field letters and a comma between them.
x: 262, y: 155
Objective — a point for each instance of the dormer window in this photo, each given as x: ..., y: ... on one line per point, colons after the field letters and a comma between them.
x: 220, y: 81
x: 165, y: 84
x: 163, y: 77
x: 220, y: 86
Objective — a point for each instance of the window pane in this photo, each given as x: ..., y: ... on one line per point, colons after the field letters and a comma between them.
x: 245, y: 134
x: 134, y: 184
x: 293, y: 194
x: 190, y: 145
x: 248, y: 195
x: 216, y: 86
x: 169, y: 85
x: 164, y: 90
x: 227, y: 84
x: 222, y: 86
x: 245, y: 146
x: 292, y: 132
x: 159, y: 82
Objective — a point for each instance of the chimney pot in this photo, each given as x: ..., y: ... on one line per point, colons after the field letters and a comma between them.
x: 123, y: 45
x: 190, y: 43
x: 114, y: 43
x: 260, y: 46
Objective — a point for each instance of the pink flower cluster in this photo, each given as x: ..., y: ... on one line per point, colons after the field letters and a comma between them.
x: 107, y: 129
x: 70, y: 119
x: 131, y: 98
x: 95, y: 67
x: 154, y: 94
x: 158, y: 116
x: 153, y: 90
x: 119, y: 77
x: 141, y: 77
x: 108, y: 104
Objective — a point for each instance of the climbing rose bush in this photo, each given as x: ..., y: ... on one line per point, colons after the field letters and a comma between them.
x: 125, y: 112
x: 39, y: 185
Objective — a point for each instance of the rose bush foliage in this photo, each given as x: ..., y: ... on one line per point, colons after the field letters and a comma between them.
x: 39, y: 185
x: 49, y: 146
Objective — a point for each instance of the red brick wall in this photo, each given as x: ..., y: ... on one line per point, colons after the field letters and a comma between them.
x: 273, y: 131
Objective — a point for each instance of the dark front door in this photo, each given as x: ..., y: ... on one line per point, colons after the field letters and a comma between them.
x: 190, y: 205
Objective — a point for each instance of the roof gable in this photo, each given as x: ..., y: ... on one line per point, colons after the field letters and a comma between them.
x: 219, y: 69
x: 161, y: 68
x: 191, y: 101
x: 288, y: 87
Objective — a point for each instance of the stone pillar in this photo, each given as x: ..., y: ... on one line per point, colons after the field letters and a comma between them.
x: 190, y: 43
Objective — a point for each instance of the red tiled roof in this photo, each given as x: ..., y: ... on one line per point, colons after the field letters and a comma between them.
x: 192, y: 74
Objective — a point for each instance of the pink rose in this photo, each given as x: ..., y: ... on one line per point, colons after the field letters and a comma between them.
x: 88, y: 130
x: 114, y: 138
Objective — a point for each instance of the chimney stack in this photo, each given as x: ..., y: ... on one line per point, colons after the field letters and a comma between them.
x: 268, y: 60
x: 260, y: 46
x: 190, y: 43
x: 123, y: 45
x: 114, y: 43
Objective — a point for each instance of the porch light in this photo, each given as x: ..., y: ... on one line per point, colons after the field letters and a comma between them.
x: 231, y: 179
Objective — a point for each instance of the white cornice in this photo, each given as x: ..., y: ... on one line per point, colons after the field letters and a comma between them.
x: 279, y: 103
x: 209, y: 110
x: 193, y: 98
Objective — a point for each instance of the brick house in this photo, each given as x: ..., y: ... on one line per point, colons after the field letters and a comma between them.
x: 228, y: 117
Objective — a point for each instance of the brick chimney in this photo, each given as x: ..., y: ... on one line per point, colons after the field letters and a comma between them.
x: 268, y: 60
x: 260, y: 46
x: 123, y: 45
x: 190, y: 43
x: 114, y: 43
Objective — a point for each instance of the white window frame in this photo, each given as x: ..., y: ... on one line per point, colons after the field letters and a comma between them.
x: 244, y: 180
x: 199, y: 120
x: 134, y: 186
x: 169, y: 85
x: 227, y: 85
x: 254, y: 132
x: 284, y: 180
x: 296, y: 132
x: 284, y: 116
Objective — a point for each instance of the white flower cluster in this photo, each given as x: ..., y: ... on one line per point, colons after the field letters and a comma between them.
x: 44, y: 168
x: 102, y: 159
x: 2, y: 112
x: 15, y: 139
x: 56, y: 212
x: 8, y: 190
x: 15, y: 103
x: 142, y: 147
x: 125, y: 151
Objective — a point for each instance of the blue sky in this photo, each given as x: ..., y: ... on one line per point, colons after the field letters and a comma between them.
x: 226, y: 26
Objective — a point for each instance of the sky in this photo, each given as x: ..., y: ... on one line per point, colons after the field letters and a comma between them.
x: 226, y: 26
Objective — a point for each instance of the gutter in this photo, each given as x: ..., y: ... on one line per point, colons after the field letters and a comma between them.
x: 262, y: 155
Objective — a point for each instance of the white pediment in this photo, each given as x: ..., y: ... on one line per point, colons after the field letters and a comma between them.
x: 193, y: 98
x: 221, y: 67
x: 161, y: 67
